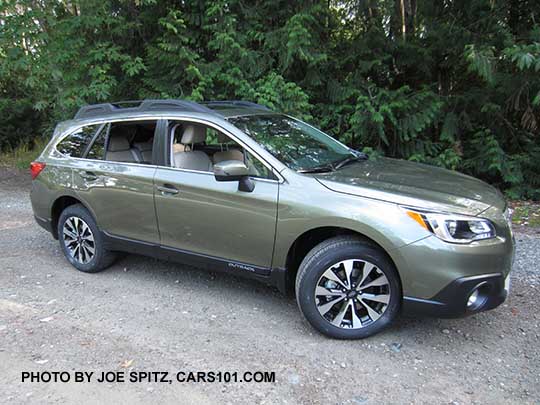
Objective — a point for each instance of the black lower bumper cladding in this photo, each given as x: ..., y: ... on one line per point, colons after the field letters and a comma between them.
x: 451, y: 301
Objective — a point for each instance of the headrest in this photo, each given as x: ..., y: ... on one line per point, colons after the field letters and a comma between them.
x: 144, y: 146
x: 222, y: 138
x: 118, y: 143
x: 130, y: 130
x: 193, y: 134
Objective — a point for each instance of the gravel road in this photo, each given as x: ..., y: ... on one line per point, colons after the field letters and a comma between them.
x: 148, y: 315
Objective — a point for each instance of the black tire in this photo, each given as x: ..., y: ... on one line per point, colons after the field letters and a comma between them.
x: 101, y: 258
x: 326, y: 255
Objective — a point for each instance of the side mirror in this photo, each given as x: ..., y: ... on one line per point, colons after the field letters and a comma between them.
x: 234, y: 170
x: 230, y: 170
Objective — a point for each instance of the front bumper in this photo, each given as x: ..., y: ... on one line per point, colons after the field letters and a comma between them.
x: 439, y: 277
x: 451, y: 301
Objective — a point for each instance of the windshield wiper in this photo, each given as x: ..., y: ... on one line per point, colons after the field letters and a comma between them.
x: 349, y: 159
x: 330, y: 167
x: 317, y: 169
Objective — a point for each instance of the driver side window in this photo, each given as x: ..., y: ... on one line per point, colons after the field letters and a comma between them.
x: 198, y: 147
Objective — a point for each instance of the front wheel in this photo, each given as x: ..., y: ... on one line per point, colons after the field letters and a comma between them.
x: 348, y: 289
x: 81, y: 240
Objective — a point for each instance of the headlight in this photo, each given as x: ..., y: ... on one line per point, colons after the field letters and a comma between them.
x: 454, y: 228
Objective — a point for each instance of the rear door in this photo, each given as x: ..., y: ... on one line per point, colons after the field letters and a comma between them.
x: 116, y: 184
x: 197, y: 214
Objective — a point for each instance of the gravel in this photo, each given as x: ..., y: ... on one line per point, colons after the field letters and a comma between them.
x: 148, y: 315
x: 527, y: 262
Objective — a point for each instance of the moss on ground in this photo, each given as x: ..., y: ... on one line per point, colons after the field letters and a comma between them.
x: 526, y: 213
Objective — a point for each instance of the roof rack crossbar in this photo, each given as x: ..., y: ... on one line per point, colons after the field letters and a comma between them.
x: 239, y: 103
x: 140, y: 106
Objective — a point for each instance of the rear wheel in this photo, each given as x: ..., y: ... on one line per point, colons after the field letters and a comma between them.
x: 348, y: 289
x: 81, y: 241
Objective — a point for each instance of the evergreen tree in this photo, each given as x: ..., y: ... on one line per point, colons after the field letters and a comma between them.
x: 454, y: 83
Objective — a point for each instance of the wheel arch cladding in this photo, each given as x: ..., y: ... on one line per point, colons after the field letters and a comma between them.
x: 311, y: 238
x: 59, y: 205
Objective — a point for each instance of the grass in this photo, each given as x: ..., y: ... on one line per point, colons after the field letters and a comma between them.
x: 23, y: 155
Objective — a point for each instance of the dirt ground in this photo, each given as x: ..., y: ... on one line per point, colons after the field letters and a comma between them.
x: 148, y: 315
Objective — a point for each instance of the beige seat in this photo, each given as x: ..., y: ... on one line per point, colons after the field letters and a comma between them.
x: 193, y: 159
x: 145, y: 151
x: 227, y: 154
x: 119, y: 150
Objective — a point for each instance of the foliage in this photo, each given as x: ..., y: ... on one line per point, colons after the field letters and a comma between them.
x: 23, y: 155
x: 454, y: 83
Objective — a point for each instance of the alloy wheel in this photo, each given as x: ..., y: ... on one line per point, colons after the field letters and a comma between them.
x: 79, y: 239
x: 352, y: 294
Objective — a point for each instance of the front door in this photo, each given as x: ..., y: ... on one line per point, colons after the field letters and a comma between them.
x: 197, y: 214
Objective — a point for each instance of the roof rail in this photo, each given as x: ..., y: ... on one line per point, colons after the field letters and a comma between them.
x: 140, y: 106
x: 239, y: 103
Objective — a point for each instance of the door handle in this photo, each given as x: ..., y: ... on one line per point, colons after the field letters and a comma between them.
x: 88, y: 176
x: 168, y: 189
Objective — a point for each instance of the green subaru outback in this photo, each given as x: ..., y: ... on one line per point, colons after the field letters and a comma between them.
x: 233, y: 186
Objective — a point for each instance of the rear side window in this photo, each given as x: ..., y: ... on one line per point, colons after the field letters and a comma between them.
x: 75, y: 144
x: 130, y: 142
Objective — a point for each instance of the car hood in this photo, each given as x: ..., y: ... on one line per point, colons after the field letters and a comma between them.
x: 414, y: 184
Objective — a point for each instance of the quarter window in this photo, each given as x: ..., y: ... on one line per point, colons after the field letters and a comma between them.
x: 97, y: 150
x: 75, y: 144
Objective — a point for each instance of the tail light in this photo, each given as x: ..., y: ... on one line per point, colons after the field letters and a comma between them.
x: 36, y: 168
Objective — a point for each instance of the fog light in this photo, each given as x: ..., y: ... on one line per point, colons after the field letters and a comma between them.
x: 473, y: 299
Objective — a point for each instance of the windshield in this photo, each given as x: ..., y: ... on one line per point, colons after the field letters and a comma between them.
x: 296, y: 144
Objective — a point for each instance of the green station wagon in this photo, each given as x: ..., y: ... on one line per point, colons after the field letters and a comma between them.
x: 233, y: 186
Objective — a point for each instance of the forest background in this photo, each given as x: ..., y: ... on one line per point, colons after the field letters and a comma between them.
x: 453, y: 83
